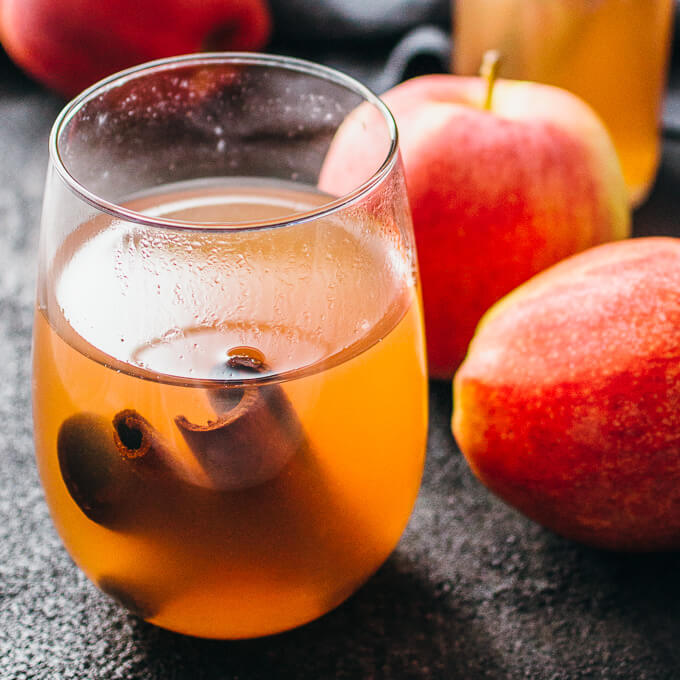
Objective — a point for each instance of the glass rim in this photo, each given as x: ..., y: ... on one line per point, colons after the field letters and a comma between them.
x: 248, y: 58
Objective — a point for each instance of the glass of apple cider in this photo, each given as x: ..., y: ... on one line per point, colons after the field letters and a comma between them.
x: 229, y: 383
x: 611, y: 53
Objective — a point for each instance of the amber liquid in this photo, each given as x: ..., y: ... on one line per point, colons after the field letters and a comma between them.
x: 611, y: 53
x: 349, y: 356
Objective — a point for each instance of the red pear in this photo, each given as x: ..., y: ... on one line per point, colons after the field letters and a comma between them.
x: 568, y: 403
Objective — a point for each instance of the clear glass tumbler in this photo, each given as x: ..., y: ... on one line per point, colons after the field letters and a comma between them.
x: 612, y: 53
x: 229, y: 383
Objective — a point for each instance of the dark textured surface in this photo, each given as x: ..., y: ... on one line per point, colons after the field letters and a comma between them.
x: 473, y: 591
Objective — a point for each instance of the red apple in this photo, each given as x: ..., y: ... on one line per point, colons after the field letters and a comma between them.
x: 568, y: 403
x: 70, y: 44
x: 497, y: 194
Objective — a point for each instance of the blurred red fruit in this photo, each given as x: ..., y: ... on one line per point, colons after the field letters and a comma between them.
x: 70, y: 44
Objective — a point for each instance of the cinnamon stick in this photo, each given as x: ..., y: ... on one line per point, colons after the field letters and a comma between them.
x: 106, y: 471
x: 120, y: 473
x: 278, y: 508
x: 271, y: 507
x: 253, y: 438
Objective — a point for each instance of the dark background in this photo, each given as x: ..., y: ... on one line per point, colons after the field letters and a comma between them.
x: 474, y: 590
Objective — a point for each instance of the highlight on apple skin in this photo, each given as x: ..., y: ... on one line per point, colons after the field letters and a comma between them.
x: 567, y: 405
x: 70, y: 44
x: 497, y: 194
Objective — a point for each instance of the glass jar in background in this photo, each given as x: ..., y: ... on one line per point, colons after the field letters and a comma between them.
x: 611, y: 53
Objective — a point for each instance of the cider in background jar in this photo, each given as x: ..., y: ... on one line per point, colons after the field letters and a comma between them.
x: 612, y: 53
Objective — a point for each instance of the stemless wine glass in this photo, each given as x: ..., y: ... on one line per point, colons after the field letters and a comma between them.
x: 229, y: 373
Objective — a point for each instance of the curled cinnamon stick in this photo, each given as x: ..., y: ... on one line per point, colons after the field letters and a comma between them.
x: 116, y: 471
x: 279, y: 512
x: 113, y: 469
x: 272, y: 511
x: 251, y: 441
x: 139, y: 442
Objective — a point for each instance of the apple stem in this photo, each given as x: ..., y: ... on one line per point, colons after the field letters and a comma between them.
x: 491, y: 64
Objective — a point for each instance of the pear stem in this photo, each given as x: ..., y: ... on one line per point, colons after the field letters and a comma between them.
x: 491, y: 64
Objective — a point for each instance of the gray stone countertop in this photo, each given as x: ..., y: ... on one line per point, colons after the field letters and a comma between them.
x: 474, y: 590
